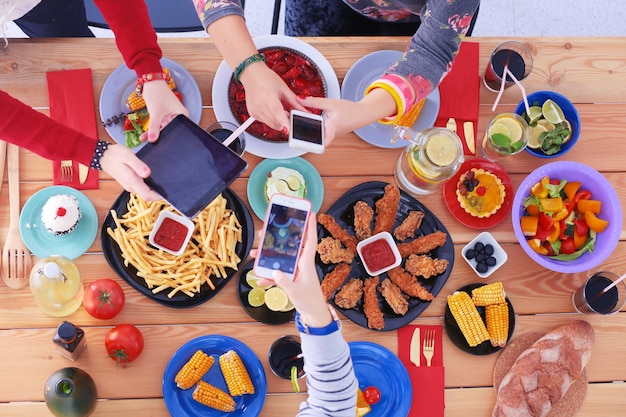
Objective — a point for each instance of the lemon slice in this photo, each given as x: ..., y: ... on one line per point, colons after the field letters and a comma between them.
x: 253, y: 281
x: 513, y: 126
x: 543, y: 122
x: 535, y: 132
x: 288, y: 307
x: 256, y: 297
x: 534, y: 113
x: 568, y: 125
x: 441, y: 150
x: 552, y: 112
x: 276, y: 299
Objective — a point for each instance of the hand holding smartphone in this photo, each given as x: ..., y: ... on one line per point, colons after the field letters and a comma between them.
x: 307, y: 131
x: 283, y: 236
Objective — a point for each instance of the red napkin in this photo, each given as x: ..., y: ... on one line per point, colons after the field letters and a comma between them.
x: 460, y: 92
x: 428, y: 382
x: 72, y: 103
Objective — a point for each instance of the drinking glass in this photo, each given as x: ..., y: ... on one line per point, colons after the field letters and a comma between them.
x: 518, y: 59
x: 506, y: 134
x: 221, y: 130
x: 285, y: 353
x: 589, y: 299
x: 433, y: 157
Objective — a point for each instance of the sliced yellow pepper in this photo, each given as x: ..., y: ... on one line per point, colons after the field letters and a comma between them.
x: 555, y: 232
x: 593, y: 206
x: 535, y: 244
x: 551, y: 205
x: 529, y: 225
x: 539, y: 190
x: 570, y: 189
x: 560, y: 215
x: 595, y: 223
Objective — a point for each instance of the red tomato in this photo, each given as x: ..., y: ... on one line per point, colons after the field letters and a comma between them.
x: 104, y: 299
x: 124, y: 343
x: 568, y: 246
x: 371, y: 395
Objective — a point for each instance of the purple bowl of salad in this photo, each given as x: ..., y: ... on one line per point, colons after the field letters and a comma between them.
x: 551, y: 193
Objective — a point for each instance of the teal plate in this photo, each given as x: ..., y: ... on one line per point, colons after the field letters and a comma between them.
x: 256, y: 184
x: 43, y: 243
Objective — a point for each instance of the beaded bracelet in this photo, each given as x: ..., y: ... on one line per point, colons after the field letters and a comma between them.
x: 101, y: 147
x: 245, y: 63
x: 151, y: 76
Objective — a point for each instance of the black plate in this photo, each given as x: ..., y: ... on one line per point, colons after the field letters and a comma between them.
x: 113, y: 255
x: 262, y: 313
x: 342, y: 211
x: 455, y: 335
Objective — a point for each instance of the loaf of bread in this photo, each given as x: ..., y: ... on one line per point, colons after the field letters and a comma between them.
x: 543, y: 373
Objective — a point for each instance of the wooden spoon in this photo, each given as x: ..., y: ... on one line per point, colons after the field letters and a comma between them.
x: 3, y: 157
x: 16, y: 258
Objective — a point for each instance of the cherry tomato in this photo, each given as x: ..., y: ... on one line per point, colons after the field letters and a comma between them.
x: 371, y: 395
x: 124, y: 343
x: 128, y: 124
x: 567, y: 246
x: 104, y: 299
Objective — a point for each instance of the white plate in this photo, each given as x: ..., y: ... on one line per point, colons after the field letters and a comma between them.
x: 367, y: 70
x: 121, y: 83
x: 221, y: 106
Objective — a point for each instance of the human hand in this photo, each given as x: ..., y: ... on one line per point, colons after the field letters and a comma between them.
x: 129, y: 171
x: 163, y: 106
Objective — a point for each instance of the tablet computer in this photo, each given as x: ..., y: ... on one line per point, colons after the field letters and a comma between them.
x: 189, y: 166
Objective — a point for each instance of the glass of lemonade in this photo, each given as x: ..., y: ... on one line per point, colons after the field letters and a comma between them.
x: 431, y: 159
x: 506, y: 134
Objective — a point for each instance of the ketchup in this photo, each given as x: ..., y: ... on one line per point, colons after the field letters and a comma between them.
x: 171, y: 234
x: 378, y: 255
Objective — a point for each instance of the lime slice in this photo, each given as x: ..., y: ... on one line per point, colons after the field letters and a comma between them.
x: 499, y: 129
x: 534, y: 114
x: 282, y: 186
x: 543, y: 122
x: 441, y: 150
x: 552, y: 112
x: 294, y: 378
x: 568, y: 125
x: 535, y: 132
x: 276, y: 299
x: 253, y: 281
x: 293, y: 183
x: 513, y: 126
x: 256, y: 297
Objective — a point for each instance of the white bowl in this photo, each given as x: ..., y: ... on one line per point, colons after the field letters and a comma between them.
x: 390, y: 243
x: 498, y: 253
x: 186, y: 226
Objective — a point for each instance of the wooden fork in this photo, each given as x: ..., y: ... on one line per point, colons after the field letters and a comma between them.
x: 429, y: 345
x: 16, y: 258
x: 67, y: 170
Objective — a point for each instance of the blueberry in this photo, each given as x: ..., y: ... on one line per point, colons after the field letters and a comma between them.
x: 470, y: 254
x: 491, y: 261
x: 488, y: 249
x: 479, y: 246
x: 480, y: 257
x: 482, y: 267
x: 470, y: 187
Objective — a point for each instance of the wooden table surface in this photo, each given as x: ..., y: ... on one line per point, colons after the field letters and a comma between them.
x: 590, y: 71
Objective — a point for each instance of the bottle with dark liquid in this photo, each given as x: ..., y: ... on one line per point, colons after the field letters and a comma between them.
x: 284, y: 354
x: 70, y: 340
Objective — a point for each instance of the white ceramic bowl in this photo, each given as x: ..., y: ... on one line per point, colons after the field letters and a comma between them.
x: 184, y: 224
x: 498, y: 253
x: 363, y: 246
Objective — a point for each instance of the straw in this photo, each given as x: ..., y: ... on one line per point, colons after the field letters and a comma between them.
x: 617, y: 281
x: 502, y: 84
x: 521, y: 87
x: 238, y: 131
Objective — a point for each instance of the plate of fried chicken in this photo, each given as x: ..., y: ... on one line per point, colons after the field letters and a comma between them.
x: 395, y: 298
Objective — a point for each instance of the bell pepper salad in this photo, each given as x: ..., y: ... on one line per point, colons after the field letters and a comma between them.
x: 561, y: 220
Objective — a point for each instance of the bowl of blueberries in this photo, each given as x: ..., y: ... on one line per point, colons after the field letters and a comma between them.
x: 484, y: 254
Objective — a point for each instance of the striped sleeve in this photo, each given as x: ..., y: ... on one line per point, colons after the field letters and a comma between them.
x: 331, y: 382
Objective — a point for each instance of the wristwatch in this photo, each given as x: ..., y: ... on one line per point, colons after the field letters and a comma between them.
x: 319, y: 331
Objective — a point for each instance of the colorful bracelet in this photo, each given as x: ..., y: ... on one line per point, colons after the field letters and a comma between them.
x: 397, y: 96
x: 245, y: 63
x: 101, y: 147
x: 404, y: 86
x: 151, y: 76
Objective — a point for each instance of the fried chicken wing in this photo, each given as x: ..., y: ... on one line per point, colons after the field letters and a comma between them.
x: 409, y: 284
x: 386, y: 209
x: 409, y: 225
x: 337, y: 231
x: 363, y: 215
x: 375, y: 319
x: 331, y: 251
x: 423, y: 244
x: 350, y: 294
x: 333, y: 280
x: 393, y: 296
x: 425, y: 266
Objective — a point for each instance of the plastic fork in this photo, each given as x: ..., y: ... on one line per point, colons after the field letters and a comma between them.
x: 429, y: 345
x: 67, y: 170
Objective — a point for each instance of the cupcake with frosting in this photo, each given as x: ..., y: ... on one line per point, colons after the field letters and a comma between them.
x: 60, y: 214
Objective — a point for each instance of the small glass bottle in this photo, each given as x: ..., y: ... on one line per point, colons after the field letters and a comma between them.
x: 70, y: 340
x: 56, y: 286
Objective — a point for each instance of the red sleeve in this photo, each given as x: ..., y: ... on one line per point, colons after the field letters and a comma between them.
x: 135, y: 37
x: 32, y: 130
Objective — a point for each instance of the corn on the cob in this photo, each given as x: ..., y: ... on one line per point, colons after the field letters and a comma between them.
x: 194, y: 369
x: 497, y: 317
x: 136, y: 102
x: 467, y: 317
x: 213, y: 397
x: 409, y: 118
x: 489, y: 294
x: 235, y: 374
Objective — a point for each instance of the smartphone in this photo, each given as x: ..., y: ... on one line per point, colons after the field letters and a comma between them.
x: 283, y: 235
x: 307, y: 131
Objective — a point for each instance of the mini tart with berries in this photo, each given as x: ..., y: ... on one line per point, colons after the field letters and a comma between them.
x: 480, y: 192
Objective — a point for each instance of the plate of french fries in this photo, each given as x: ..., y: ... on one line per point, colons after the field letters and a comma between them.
x: 221, y: 240
x: 214, y: 375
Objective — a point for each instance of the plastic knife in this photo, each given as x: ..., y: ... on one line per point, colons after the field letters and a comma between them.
x: 416, y: 347
x: 83, y: 172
